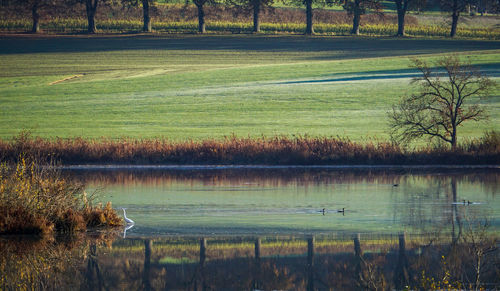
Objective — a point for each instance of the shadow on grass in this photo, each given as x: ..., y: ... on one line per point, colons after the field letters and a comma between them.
x: 490, y: 70
x: 335, y: 47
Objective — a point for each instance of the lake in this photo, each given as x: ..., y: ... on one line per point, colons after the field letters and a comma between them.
x: 264, y: 228
x: 220, y: 201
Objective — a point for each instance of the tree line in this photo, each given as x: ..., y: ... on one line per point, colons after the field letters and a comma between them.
x: 354, y: 8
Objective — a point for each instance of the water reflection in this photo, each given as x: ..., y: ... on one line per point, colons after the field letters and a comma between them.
x: 290, y: 201
x: 127, y: 227
x: 488, y: 177
x: 54, y: 263
x: 253, y: 263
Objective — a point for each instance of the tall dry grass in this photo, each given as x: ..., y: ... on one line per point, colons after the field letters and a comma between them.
x: 234, y: 150
x: 39, y: 201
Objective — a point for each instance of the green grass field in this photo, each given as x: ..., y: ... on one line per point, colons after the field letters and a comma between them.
x: 198, y: 87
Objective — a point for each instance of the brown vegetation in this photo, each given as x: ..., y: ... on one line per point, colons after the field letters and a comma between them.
x: 48, y: 263
x: 261, y: 151
x: 36, y: 201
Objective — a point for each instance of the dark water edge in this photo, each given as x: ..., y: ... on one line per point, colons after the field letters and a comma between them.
x: 490, y: 175
x: 94, y: 167
x: 120, y: 174
x: 105, y: 261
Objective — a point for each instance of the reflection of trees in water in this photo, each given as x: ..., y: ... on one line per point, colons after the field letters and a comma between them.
x: 283, y: 177
x: 34, y: 263
x: 255, y: 263
x: 437, y: 201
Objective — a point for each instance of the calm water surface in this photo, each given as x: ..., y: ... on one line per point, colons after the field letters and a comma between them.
x: 267, y: 201
x: 264, y: 229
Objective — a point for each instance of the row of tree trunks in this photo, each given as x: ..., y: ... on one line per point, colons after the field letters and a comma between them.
x: 36, y: 17
x: 201, y: 15
x: 91, y: 7
x: 146, y: 18
x: 309, y: 17
x: 356, y: 19
x: 454, y: 23
x: 401, y: 5
x: 256, y: 15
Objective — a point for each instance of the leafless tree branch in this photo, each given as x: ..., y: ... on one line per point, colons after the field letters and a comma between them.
x: 441, y: 105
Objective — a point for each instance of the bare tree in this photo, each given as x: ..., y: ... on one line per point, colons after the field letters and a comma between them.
x: 441, y: 104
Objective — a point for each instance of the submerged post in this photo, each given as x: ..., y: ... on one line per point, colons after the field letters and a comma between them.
x: 148, y: 244
x: 357, y: 246
x: 310, y: 263
x: 402, y: 276
x: 257, y: 249
x: 203, y: 249
x: 256, y: 284
x: 358, y: 257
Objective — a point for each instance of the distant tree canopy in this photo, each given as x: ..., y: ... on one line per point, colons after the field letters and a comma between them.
x: 354, y: 8
x: 447, y: 97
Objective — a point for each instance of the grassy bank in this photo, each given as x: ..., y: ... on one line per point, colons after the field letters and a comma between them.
x: 36, y: 201
x: 267, y: 151
x: 183, y: 87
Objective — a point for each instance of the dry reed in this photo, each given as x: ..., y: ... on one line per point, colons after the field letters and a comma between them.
x: 39, y: 201
x: 234, y: 150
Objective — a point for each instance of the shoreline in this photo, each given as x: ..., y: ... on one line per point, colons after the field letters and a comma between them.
x: 271, y: 167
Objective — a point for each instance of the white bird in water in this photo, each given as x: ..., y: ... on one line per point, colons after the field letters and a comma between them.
x: 127, y: 220
x: 129, y: 226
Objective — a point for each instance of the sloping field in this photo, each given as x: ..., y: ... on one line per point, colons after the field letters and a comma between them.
x: 198, y: 87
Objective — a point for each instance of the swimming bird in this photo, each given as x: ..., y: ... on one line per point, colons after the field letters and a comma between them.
x: 341, y: 211
x: 395, y: 185
x: 323, y: 211
x: 127, y: 220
